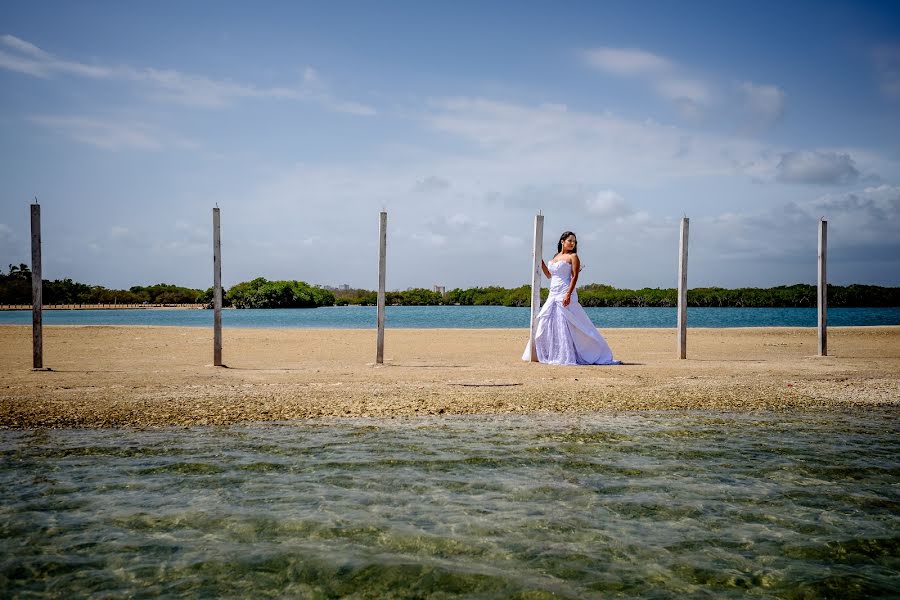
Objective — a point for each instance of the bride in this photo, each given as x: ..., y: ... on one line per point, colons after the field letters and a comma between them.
x: 564, y: 334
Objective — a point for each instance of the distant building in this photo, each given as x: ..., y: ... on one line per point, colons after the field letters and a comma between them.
x: 344, y: 287
x: 440, y: 289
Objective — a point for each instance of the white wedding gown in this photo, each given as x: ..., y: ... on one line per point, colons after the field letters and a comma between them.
x: 564, y: 335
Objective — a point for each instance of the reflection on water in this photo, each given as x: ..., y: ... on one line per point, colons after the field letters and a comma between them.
x: 542, y: 506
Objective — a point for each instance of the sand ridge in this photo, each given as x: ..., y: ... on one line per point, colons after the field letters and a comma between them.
x: 111, y: 376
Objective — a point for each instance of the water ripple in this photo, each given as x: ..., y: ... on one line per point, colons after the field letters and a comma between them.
x: 541, y: 506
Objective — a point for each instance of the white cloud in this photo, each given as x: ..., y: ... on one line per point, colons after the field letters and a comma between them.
x: 869, y: 211
x: 764, y: 103
x: 664, y: 76
x: 195, y: 90
x: 118, y: 232
x: 190, y: 90
x: 351, y: 108
x: 862, y: 240
x: 6, y: 233
x: 608, y: 203
x: 552, y: 146
x: 886, y: 195
x: 824, y: 168
x: 684, y: 89
x: 31, y: 60
x: 174, y: 86
x: 694, y: 96
x: 627, y: 61
x: 457, y: 226
x: 578, y: 168
x: 103, y: 134
x: 24, y: 47
x: 887, y: 69
x: 504, y: 162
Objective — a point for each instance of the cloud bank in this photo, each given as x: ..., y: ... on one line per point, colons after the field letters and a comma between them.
x: 823, y: 168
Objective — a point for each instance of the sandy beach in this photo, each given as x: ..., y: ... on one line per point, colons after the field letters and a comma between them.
x: 153, y: 376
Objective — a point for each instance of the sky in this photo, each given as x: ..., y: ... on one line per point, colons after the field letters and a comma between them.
x: 463, y: 120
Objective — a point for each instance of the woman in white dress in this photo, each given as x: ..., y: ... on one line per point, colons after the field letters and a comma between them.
x: 564, y: 334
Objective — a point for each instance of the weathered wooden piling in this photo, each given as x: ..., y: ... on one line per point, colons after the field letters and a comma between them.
x: 217, y: 290
x: 37, y: 328
x: 823, y: 288
x: 682, y: 288
x: 536, y: 258
x: 382, y: 251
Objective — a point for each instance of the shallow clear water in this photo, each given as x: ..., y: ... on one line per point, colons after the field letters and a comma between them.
x: 458, y: 317
x: 631, y: 505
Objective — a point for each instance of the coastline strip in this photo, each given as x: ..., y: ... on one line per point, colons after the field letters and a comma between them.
x: 115, y: 376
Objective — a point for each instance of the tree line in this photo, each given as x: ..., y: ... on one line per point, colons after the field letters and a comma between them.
x: 601, y: 295
x: 15, y: 288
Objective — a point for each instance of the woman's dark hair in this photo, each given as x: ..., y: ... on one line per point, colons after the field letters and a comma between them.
x: 562, y: 238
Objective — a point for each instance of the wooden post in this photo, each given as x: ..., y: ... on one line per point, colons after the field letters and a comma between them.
x: 823, y: 288
x: 536, y: 257
x: 682, y: 288
x: 382, y: 251
x: 217, y: 291
x: 37, y: 325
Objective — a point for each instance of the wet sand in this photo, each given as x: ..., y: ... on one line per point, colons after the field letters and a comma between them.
x: 159, y: 376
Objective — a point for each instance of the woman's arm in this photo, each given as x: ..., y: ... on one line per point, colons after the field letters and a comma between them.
x: 546, y: 270
x: 576, y: 266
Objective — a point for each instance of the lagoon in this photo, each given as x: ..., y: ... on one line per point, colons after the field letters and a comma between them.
x: 457, y: 317
x: 705, y: 504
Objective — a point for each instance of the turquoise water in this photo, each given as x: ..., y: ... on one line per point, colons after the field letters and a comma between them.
x: 707, y: 505
x: 458, y: 317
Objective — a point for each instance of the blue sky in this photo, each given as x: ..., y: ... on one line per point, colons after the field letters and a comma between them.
x: 130, y: 121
